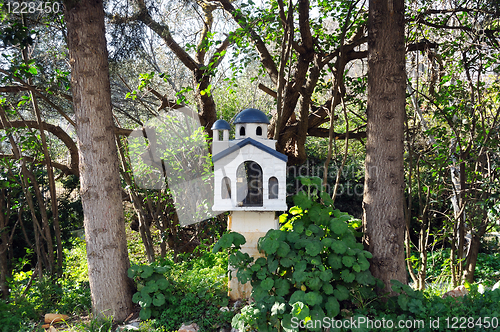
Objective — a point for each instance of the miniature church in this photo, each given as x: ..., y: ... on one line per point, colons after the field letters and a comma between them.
x: 250, y: 181
x: 250, y: 175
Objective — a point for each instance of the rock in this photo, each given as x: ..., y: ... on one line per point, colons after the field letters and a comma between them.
x: 237, y: 305
x: 224, y: 309
x: 189, y: 328
x: 54, y: 318
x: 129, y: 327
x: 456, y: 292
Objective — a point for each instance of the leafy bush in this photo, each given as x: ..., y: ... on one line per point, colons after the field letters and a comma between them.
x: 486, y: 272
x: 191, y: 291
x: 10, y: 319
x: 477, y: 311
x: 313, y: 265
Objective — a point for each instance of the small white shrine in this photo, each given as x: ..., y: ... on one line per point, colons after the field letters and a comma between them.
x: 250, y: 181
x: 250, y: 175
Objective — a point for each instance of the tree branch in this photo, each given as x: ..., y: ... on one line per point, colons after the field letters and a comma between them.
x: 266, y: 59
x: 164, y: 32
x: 59, y: 133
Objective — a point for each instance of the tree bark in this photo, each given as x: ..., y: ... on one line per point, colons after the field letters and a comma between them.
x: 5, y: 271
x: 383, y: 201
x: 99, y: 171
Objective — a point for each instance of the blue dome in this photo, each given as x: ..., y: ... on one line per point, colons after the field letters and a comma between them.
x: 251, y: 115
x: 221, y: 125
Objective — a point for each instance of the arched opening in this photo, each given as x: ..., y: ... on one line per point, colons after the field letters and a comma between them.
x: 258, y: 131
x: 249, y: 184
x: 242, y: 131
x: 273, y: 188
x: 226, y: 188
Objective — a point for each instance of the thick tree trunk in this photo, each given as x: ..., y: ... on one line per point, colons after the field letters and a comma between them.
x: 384, y: 179
x: 99, y: 172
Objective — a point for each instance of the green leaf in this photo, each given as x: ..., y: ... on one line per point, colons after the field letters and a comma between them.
x: 314, y: 247
x: 327, y: 289
x: 146, y: 300
x: 283, y: 249
x: 162, y: 283
x: 286, y: 262
x: 295, y: 210
x: 282, y: 287
x: 302, y: 200
x: 326, y: 198
x: 314, y: 283
x: 150, y: 287
x: 335, y: 261
x: 347, y: 276
x: 299, y: 276
x: 136, y: 297
x: 300, y: 310
x: 348, y: 260
x: 341, y: 293
x: 338, y: 226
x: 326, y: 275
x: 297, y: 296
x: 261, y: 261
x: 272, y: 264
x: 259, y: 294
x: 339, y: 246
x: 147, y: 271
x: 298, y: 228
x: 363, y: 263
x: 365, y: 278
x: 313, y: 298
x: 256, y: 267
x: 132, y: 271
x: 327, y: 242
x: 161, y: 269
x: 145, y: 313
x: 158, y: 299
x: 403, y: 301
x: 332, y: 307
x: 269, y: 245
x: 238, y: 240
x: 224, y: 242
x: 244, y: 276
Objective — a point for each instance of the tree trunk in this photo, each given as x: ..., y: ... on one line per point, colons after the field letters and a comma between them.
x: 4, y: 247
x: 475, y: 245
x: 383, y: 199
x: 99, y: 171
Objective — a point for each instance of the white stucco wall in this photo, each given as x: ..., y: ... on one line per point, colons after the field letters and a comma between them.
x: 271, y: 166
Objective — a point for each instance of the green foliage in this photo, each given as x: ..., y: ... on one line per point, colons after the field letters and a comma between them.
x: 312, y: 265
x: 472, y: 312
x: 488, y: 265
x: 10, y: 318
x: 102, y: 324
x: 176, y: 293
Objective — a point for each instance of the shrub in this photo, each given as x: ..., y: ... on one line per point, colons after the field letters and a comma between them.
x: 477, y: 311
x: 191, y: 291
x: 313, y: 265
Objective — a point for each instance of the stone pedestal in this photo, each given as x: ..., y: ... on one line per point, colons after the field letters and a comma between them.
x: 252, y: 225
